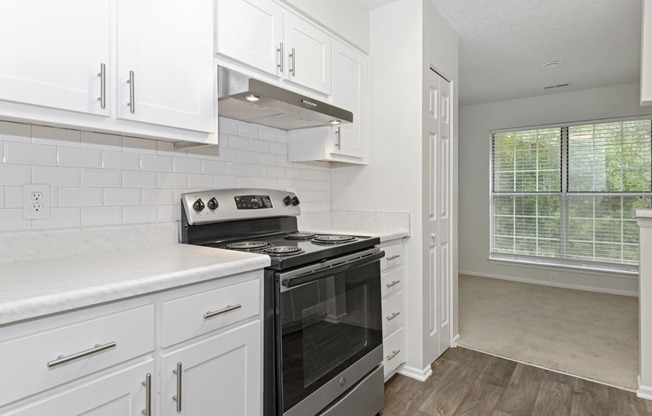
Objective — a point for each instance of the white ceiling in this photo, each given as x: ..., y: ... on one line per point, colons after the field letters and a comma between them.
x: 504, y: 42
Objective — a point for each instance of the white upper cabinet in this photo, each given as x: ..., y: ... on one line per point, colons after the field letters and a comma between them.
x: 53, y: 51
x: 349, y: 92
x: 646, y: 54
x: 165, y: 63
x: 308, y: 51
x: 251, y: 31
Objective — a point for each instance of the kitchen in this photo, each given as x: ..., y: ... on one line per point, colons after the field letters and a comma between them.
x: 101, y: 142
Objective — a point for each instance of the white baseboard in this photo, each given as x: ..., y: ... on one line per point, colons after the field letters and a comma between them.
x: 644, y: 392
x: 415, y: 373
x: 454, y: 341
x: 553, y: 284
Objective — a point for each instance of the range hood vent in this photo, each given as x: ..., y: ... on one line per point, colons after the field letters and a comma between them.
x: 248, y: 99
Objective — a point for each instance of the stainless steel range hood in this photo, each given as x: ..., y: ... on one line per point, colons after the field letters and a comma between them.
x: 248, y: 99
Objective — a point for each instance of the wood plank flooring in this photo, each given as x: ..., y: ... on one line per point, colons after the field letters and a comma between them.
x: 470, y: 383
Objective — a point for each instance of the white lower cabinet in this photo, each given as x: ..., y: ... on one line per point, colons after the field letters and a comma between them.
x: 393, y: 306
x: 201, y: 346
x: 215, y: 374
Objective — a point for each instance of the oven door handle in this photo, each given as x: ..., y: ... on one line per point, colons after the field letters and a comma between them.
x: 321, y: 274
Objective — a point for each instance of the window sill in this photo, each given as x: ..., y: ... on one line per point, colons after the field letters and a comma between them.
x: 625, y: 274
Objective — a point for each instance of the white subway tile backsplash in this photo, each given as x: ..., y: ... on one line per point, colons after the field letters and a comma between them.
x: 2, y: 197
x: 247, y: 157
x: 167, y: 149
x: 267, y: 133
x: 56, y: 136
x: 186, y: 165
x: 12, y: 220
x: 13, y: 196
x: 285, y: 184
x: 200, y: 181
x: 267, y: 183
x: 282, y: 136
x: 227, y: 155
x: 172, y: 180
x: 82, y: 158
x: 30, y: 154
x: 139, y: 215
x: 60, y: 218
x: 93, y: 216
x: 258, y: 170
x: 120, y: 160
x: 121, y: 196
x: 225, y: 182
x: 282, y: 160
x: 56, y: 176
x: 247, y: 182
x: 248, y: 130
x: 141, y: 146
x: 101, y: 141
x: 259, y: 146
x: 158, y: 196
x: 210, y: 167
x: 156, y: 163
x: 203, y: 152
x: 267, y: 159
x: 238, y: 169
x: 169, y: 212
x: 239, y: 143
x: 228, y: 126
x: 278, y: 148
x: 80, y: 197
x: 15, y: 132
x: 101, y: 178
x: 15, y: 174
x: 275, y: 172
x: 132, y: 179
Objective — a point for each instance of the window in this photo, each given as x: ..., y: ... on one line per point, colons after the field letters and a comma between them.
x: 566, y: 195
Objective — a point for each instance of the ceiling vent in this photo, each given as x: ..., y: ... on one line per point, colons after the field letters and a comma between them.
x: 552, y: 87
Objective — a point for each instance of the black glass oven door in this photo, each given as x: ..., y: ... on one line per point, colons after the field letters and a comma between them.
x: 327, y: 324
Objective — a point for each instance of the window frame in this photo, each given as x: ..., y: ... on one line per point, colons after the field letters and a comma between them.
x: 564, y: 196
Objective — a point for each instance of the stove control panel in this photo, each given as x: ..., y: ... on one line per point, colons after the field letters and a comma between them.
x: 253, y: 202
x: 220, y: 205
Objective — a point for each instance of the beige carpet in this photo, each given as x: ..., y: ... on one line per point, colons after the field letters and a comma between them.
x: 590, y: 335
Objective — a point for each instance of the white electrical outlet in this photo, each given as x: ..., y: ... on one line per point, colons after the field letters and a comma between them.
x: 36, y: 202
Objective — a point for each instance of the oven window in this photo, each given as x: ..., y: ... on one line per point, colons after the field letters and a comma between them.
x: 327, y: 325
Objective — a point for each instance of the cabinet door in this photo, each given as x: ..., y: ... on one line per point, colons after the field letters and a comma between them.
x: 52, y: 52
x: 251, y: 31
x: 119, y: 394
x: 309, y: 54
x: 220, y: 375
x: 349, y: 92
x: 166, y: 45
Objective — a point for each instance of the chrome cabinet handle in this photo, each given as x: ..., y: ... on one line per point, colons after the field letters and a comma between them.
x: 228, y: 308
x: 338, y: 134
x: 392, y: 316
x: 132, y: 92
x: 393, y: 354
x: 281, y: 57
x: 98, y: 348
x: 177, y: 397
x: 148, y: 395
x: 393, y: 257
x: 293, y: 62
x: 394, y: 283
x: 102, y: 75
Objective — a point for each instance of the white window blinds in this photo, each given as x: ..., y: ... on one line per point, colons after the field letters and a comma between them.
x: 565, y: 195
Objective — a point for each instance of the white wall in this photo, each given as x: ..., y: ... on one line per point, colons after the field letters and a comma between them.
x: 103, y: 179
x: 476, y: 121
x: 347, y: 18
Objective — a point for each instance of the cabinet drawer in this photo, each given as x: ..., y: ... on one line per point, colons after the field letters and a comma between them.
x: 391, y: 281
x: 393, y: 256
x: 392, y: 314
x: 393, y: 351
x: 90, y: 345
x: 199, y: 314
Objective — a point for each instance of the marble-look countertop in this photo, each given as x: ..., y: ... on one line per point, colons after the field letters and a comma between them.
x: 388, y: 234
x: 29, y: 289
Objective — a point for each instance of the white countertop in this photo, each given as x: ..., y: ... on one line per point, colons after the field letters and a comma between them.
x: 35, y: 288
x: 384, y: 234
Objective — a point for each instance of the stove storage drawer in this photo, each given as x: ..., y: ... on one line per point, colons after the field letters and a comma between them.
x: 393, y: 351
x: 200, y: 313
x: 392, y: 314
x: 64, y: 348
x: 393, y: 256
x: 391, y: 282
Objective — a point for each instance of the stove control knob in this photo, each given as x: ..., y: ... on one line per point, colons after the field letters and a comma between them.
x: 212, y: 204
x: 295, y: 201
x: 198, y: 205
x: 287, y: 200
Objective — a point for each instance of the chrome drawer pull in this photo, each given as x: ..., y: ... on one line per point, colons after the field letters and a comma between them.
x: 392, y: 316
x: 393, y: 354
x: 394, y: 283
x: 132, y: 92
x: 177, y: 397
x: 281, y: 58
x: 98, y: 348
x: 228, y: 308
x: 293, y: 62
x: 393, y: 257
x: 102, y: 75
x: 148, y: 395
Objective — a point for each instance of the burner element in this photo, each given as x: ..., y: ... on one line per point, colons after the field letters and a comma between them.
x: 332, y: 239
x: 283, y: 251
x: 248, y: 245
x: 300, y: 236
